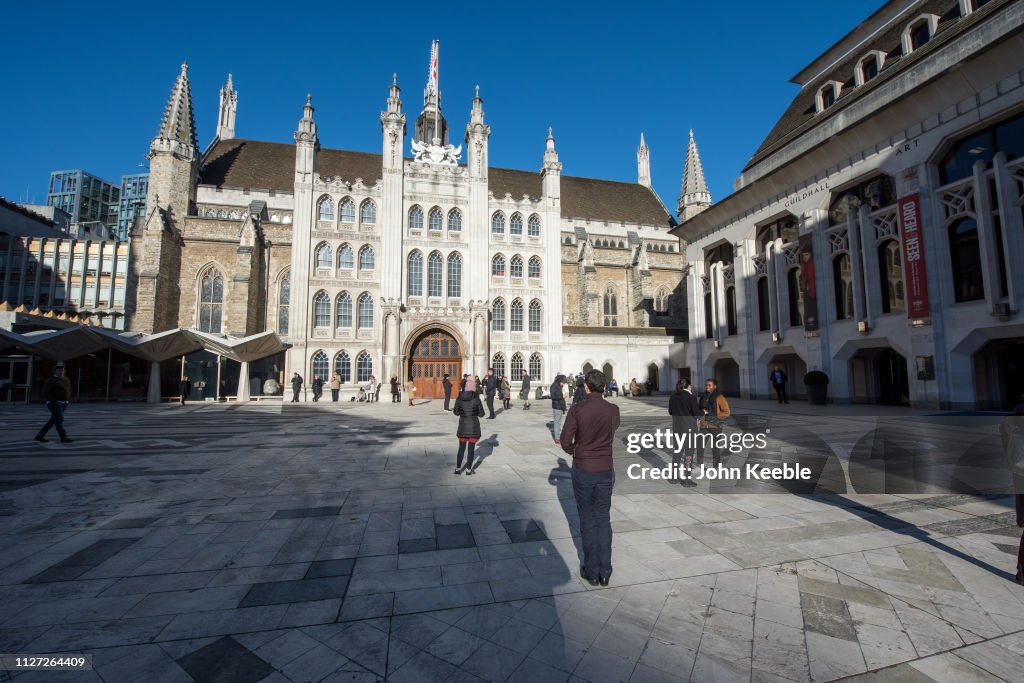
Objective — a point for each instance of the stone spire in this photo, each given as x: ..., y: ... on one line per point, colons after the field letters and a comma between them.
x: 178, y: 127
x: 693, y: 195
x: 431, y: 127
x: 551, y: 171
x: 307, y: 125
x: 477, y: 133
x: 643, y: 163
x: 227, y: 111
x: 307, y: 144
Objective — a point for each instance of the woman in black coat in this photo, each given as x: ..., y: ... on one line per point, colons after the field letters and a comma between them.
x: 557, y: 407
x: 685, y: 411
x: 469, y: 409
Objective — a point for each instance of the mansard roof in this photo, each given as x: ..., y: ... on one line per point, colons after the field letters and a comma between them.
x: 257, y: 165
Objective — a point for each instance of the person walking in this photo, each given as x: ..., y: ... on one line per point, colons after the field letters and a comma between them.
x: 410, y: 389
x: 579, y: 394
x: 296, y: 387
x: 56, y: 395
x: 778, y: 379
x: 1012, y: 433
x: 714, y: 409
x: 525, y: 390
x: 469, y: 409
x: 557, y: 407
x: 184, y: 388
x: 587, y: 436
x: 446, y: 383
x: 335, y: 387
x: 685, y: 412
x: 396, y: 392
x: 318, y: 388
x: 491, y: 385
x: 506, y: 392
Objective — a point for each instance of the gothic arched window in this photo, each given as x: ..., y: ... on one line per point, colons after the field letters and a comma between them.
x: 454, y: 275
x: 536, y: 367
x: 436, y: 219
x: 965, y: 254
x: 346, y: 258
x: 415, y: 218
x: 366, y: 258
x: 365, y: 311
x: 211, y: 301
x: 890, y: 272
x: 434, y: 274
x: 343, y: 366
x: 517, y: 266
x: 498, y: 364
x: 534, y: 267
x: 517, y: 315
x: 347, y: 211
x: 796, y: 299
x: 364, y: 366
x: 611, y: 308
x: 343, y: 310
x: 323, y: 256
x: 454, y: 221
x: 321, y: 309
x: 515, y: 224
x: 535, y: 311
x: 498, y: 223
x: 498, y: 315
x: 320, y: 366
x: 415, y: 271
x: 325, y: 209
x: 533, y: 227
x: 498, y: 266
x: 764, y: 311
x: 517, y: 364
x: 368, y: 212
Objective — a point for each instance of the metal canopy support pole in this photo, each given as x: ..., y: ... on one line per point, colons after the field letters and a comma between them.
x: 243, y: 383
x: 153, y: 392
x: 109, y: 360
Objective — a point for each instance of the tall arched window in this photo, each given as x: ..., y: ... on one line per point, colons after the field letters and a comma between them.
x: 415, y: 273
x: 796, y: 299
x: 498, y: 363
x: 890, y: 272
x: 498, y: 223
x: 454, y: 275
x: 323, y: 256
x: 516, y: 318
x: 764, y: 311
x: 842, y: 282
x: 533, y: 227
x: 965, y: 254
x: 325, y: 209
x: 343, y: 310
x: 211, y: 301
x: 368, y: 212
x: 534, y: 316
x: 343, y: 366
x: 517, y: 266
x: 498, y: 266
x: 515, y: 224
x: 536, y: 367
x: 322, y: 309
x: 284, y: 299
x: 709, y: 316
x: 364, y: 366
x: 347, y: 211
x: 434, y: 274
x: 732, y: 325
x: 534, y: 268
x: 611, y: 308
x: 320, y: 366
x: 661, y: 301
x: 415, y: 218
x: 517, y: 365
x: 454, y: 221
x: 346, y: 258
x: 366, y: 258
x: 365, y: 311
x: 498, y: 315
x: 435, y: 219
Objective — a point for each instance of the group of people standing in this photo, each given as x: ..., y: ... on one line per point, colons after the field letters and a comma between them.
x: 704, y: 414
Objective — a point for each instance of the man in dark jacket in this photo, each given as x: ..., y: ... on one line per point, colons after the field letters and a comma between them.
x: 587, y: 436
x: 184, y: 388
x: 296, y: 387
x: 778, y: 379
x: 491, y: 384
x: 525, y: 389
x: 557, y: 407
x: 580, y: 394
x: 685, y: 412
x: 318, y: 387
x: 56, y: 394
x: 447, y: 385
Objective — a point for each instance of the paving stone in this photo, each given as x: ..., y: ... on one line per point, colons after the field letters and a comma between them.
x: 453, y: 536
x: 304, y: 590
x: 416, y: 545
x: 325, y: 568
x: 302, y: 513
x: 225, y: 660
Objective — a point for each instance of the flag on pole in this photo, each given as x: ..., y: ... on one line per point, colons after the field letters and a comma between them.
x: 432, y: 80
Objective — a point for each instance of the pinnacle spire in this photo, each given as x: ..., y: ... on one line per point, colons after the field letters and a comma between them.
x: 228, y: 110
x: 178, y: 123
x: 694, y: 196
x: 643, y: 163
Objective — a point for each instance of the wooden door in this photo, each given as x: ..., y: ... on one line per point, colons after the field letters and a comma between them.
x: 432, y: 355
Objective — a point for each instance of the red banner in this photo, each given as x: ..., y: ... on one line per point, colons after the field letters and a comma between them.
x: 915, y: 275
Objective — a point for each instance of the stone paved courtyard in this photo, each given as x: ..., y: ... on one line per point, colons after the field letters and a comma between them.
x: 331, y: 542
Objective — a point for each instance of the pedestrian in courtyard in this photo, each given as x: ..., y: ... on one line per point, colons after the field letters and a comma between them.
x: 491, y: 383
x: 714, y: 410
x: 778, y: 379
x: 506, y: 392
x: 469, y: 409
x: 318, y: 388
x: 296, y: 387
x: 447, y: 385
x: 525, y: 390
x: 685, y: 412
x: 587, y: 436
x: 396, y: 392
x: 335, y: 387
x: 57, y: 395
x: 1012, y: 432
x: 634, y: 388
x: 557, y: 407
x: 184, y: 388
x: 410, y: 389
x: 579, y: 394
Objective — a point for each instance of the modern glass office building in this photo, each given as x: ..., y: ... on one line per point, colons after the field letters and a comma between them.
x: 86, y: 197
x: 132, y: 202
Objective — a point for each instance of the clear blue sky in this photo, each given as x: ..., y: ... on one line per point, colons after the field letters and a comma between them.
x: 85, y: 86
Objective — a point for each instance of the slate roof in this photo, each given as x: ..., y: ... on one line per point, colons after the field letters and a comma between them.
x: 257, y: 165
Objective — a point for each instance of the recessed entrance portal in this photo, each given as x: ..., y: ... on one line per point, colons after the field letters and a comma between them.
x: 879, y: 375
x: 434, y: 353
x: 999, y: 374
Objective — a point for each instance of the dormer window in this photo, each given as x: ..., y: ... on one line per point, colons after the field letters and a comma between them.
x: 968, y: 6
x: 869, y: 66
x: 918, y: 33
x: 828, y: 95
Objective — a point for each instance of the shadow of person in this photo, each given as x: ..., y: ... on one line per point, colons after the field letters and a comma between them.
x: 484, y: 449
x: 561, y: 478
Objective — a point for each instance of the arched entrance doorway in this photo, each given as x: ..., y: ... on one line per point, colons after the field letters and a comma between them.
x: 434, y: 353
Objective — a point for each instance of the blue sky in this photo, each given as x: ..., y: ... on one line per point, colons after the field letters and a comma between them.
x: 86, y: 89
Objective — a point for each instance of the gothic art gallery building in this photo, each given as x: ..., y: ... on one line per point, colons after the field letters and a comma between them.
x: 411, y: 262
x: 876, y: 235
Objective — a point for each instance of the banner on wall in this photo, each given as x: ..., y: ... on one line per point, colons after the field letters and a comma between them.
x: 915, y: 276
x: 808, y: 288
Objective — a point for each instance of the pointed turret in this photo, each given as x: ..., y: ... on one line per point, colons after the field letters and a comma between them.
x: 306, y: 143
x: 392, y: 125
x: 431, y: 127
x: 178, y: 127
x: 693, y: 195
x: 227, y: 111
x: 643, y: 163
x: 477, y: 133
x: 551, y: 171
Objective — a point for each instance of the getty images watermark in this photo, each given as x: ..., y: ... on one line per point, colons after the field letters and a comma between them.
x: 702, y: 442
